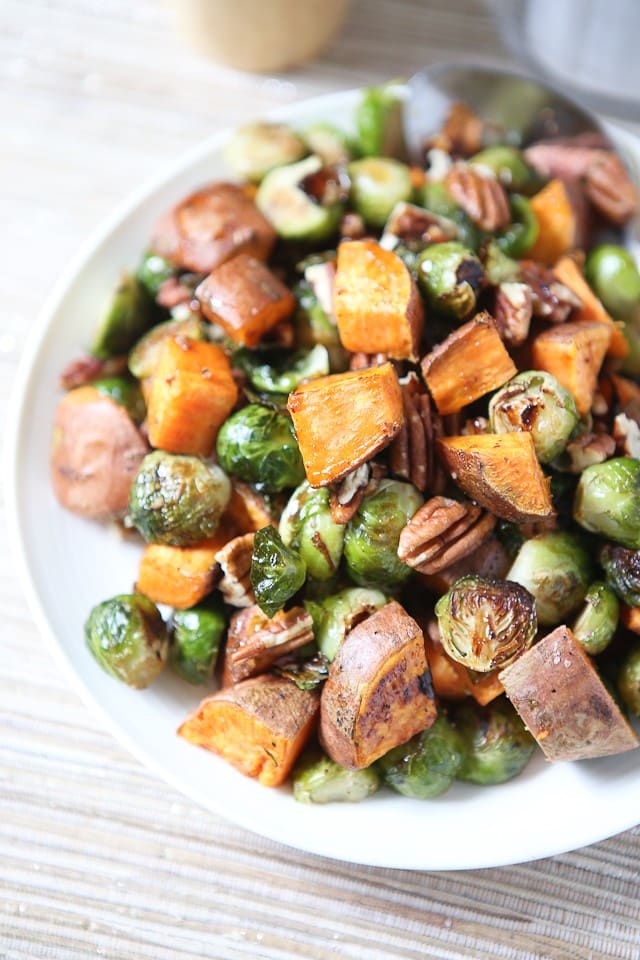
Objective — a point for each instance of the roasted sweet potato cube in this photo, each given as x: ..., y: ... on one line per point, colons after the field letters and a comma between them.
x: 501, y: 472
x: 191, y: 395
x: 568, y: 272
x: 557, y: 224
x: 245, y: 298
x: 376, y: 302
x: 378, y: 693
x: 573, y: 353
x: 211, y: 226
x: 630, y: 618
x: 344, y: 419
x: 556, y: 689
x: 180, y: 576
x: 259, y: 726
x: 471, y: 362
x: 247, y: 509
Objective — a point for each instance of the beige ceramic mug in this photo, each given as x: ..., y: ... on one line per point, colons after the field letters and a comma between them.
x: 261, y: 35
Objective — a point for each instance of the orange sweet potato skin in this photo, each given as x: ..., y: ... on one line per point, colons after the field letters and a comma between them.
x: 556, y: 222
x: 259, y: 726
x: 378, y: 693
x: 376, y: 302
x: 245, y: 298
x: 210, y: 226
x: 192, y: 393
x: 344, y: 419
x: 573, y: 353
x: 95, y: 454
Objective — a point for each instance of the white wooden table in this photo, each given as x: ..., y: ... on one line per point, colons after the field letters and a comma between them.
x: 98, y: 857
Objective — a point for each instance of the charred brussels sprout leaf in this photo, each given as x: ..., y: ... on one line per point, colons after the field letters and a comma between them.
x: 126, y: 392
x: 556, y: 568
x: 177, y: 499
x: 334, y: 616
x: 622, y: 569
x: 450, y: 275
x: 258, y: 445
x: 306, y: 525
x: 153, y: 271
x: 535, y: 402
x: 128, y: 638
x: 596, y: 624
x: 372, y: 535
x: 486, y: 623
x: 196, y: 635
x: 277, y: 572
x: 425, y: 766
x: 306, y: 674
x: 273, y: 372
x: 607, y: 500
x: 124, y: 320
x: 257, y: 148
x: 629, y: 680
x: 496, y: 745
x: 318, y: 779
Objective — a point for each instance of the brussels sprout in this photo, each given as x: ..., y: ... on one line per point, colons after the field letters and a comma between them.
x: 450, y: 275
x: 631, y: 363
x: 517, y: 239
x: 372, y: 535
x: 334, y: 616
x: 614, y: 275
x: 125, y: 318
x: 259, y: 446
x: 622, y: 569
x: 556, y: 569
x: 257, y: 148
x: 306, y: 674
x: 177, y: 499
x: 328, y: 143
x: 196, y: 635
x: 486, y: 623
x: 379, y: 122
x: 436, y: 198
x: 496, y: 745
x: 377, y: 185
x: 596, y: 624
x: 317, y: 779
x: 303, y: 201
x: 607, y: 500
x: 152, y: 272
x: 128, y: 638
x: 313, y: 326
x: 277, y: 572
x: 126, y: 392
x: 425, y: 766
x: 306, y: 525
x: 629, y: 680
x: 510, y: 167
x: 534, y: 401
x: 144, y: 355
x: 277, y: 372
x: 498, y: 267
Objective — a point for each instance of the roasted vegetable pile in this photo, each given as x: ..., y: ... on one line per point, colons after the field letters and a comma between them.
x: 377, y: 426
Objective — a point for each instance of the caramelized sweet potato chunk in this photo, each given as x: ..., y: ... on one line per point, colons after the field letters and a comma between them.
x: 376, y: 302
x: 556, y: 222
x: 259, y: 726
x: 378, y: 693
x: 573, y: 353
x: 344, y: 419
x: 556, y: 689
x: 180, y: 576
x: 471, y: 362
x: 568, y: 272
x: 211, y: 226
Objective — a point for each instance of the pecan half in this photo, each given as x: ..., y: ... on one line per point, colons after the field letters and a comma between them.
x: 412, y: 449
x: 442, y: 532
x: 609, y: 188
x: 550, y: 299
x: 255, y: 642
x: 626, y: 434
x: 512, y: 312
x: 480, y: 195
x: 235, y: 560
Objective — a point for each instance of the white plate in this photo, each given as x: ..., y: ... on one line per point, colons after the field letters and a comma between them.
x: 68, y: 564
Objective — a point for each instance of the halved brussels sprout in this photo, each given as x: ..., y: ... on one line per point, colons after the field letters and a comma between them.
x: 496, y: 744
x: 379, y: 122
x: 257, y: 148
x: 303, y: 201
x: 335, y: 615
x: 152, y: 272
x: 622, y: 569
x: 197, y: 634
x: 329, y: 143
x: 277, y: 572
x: 125, y: 318
x: 258, y: 445
x: 177, y: 499
x: 607, y: 500
x: 486, y: 623
x: 372, y: 535
x: 629, y: 680
x: 277, y: 372
x: 318, y: 779
x: 535, y: 402
x: 426, y: 765
x: 596, y: 624
x: 306, y: 525
x: 614, y: 275
x: 556, y: 569
x: 510, y: 167
x: 128, y: 638
x: 450, y: 276
x: 126, y: 392
x: 377, y: 185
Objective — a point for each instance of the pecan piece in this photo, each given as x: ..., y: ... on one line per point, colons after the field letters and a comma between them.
x: 512, y: 312
x: 626, y: 434
x: 442, y: 532
x: 416, y: 227
x: 352, y: 227
x: 609, y: 188
x: 551, y: 299
x: 461, y: 132
x: 256, y: 641
x: 360, y: 360
x: 346, y: 496
x: 85, y: 370
x: 235, y: 560
x: 480, y: 195
x: 586, y: 450
x: 412, y: 450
